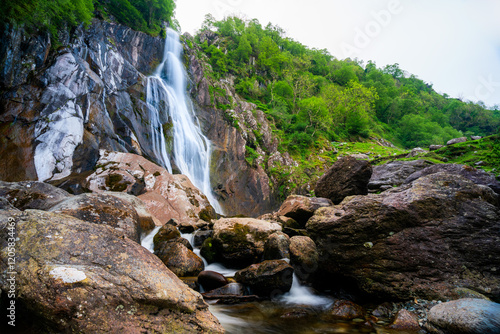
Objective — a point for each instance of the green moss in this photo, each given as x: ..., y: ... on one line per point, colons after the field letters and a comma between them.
x: 115, y: 182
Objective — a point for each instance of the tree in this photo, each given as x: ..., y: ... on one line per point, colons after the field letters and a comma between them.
x: 244, y: 49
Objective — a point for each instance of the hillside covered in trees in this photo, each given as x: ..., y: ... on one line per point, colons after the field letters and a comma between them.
x: 54, y: 15
x: 313, y: 97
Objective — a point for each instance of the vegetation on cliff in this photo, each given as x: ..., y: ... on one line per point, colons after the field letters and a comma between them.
x: 311, y: 96
x: 55, y: 15
x: 321, y: 107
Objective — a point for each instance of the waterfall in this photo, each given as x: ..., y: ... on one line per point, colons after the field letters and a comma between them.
x: 191, y: 150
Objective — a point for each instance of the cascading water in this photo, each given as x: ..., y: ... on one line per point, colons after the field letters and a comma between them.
x: 191, y: 149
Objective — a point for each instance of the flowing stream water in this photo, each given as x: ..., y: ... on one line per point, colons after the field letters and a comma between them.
x: 169, y: 104
x: 303, y: 307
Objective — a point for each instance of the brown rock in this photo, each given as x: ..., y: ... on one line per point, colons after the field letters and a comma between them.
x: 346, y: 310
x: 166, y: 196
x: 276, y: 246
x: 301, y: 208
x: 421, y: 240
x: 103, y: 209
x: 346, y: 177
x: 166, y: 233
x: 238, y: 242
x: 268, y: 278
x: 32, y: 194
x: 210, y: 280
x: 74, y: 276
x: 227, y: 290
x: 304, y: 257
x: 179, y: 259
x: 475, y: 316
x: 405, y: 320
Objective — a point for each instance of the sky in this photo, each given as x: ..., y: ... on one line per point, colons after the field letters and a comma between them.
x: 452, y: 44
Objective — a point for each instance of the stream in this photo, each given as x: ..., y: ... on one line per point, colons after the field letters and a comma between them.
x: 298, y: 311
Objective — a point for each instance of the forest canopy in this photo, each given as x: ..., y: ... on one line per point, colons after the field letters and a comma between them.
x: 311, y: 96
x: 54, y: 15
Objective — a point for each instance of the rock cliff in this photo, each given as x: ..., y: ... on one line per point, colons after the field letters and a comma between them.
x: 58, y: 108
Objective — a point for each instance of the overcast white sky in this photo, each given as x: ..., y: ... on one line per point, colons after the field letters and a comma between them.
x: 453, y: 44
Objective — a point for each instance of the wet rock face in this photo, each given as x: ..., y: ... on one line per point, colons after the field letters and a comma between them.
x: 468, y: 315
x: 75, y: 276
x: 242, y: 189
x: 346, y: 177
x: 57, y: 109
x: 414, y: 240
x: 268, y: 278
x: 394, y: 174
x: 238, y: 242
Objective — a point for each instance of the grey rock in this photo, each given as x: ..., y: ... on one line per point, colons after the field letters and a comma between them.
x: 393, y: 174
x: 456, y: 141
x: 471, y: 316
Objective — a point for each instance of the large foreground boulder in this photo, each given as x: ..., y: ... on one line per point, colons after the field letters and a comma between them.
x: 346, y: 177
x: 75, y: 276
x: 238, y: 242
x: 422, y: 239
x: 166, y: 196
x: 470, y: 316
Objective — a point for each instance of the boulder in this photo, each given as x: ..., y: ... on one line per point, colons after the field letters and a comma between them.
x: 301, y: 208
x: 416, y: 152
x: 147, y: 221
x: 268, y: 278
x: 32, y: 194
x: 471, y: 316
x: 435, y: 147
x: 456, y: 141
x: 346, y: 177
x: 103, y: 209
x: 345, y: 310
x: 238, y: 242
x: 210, y: 280
x: 200, y: 236
x: 75, y: 276
x: 475, y: 137
x: 165, y: 234
x: 304, y: 257
x: 422, y: 239
x: 227, y: 290
x: 405, y: 321
x: 477, y: 176
x: 180, y: 259
x: 276, y: 246
x: 393, y: 174
x: 166, y: 196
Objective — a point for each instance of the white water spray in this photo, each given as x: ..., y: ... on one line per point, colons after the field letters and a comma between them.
x: 191, y: 149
